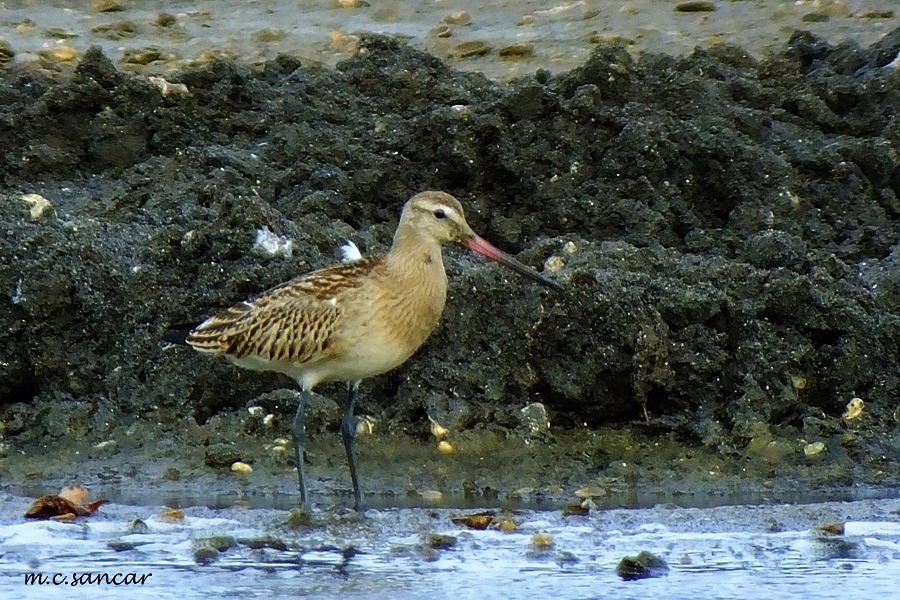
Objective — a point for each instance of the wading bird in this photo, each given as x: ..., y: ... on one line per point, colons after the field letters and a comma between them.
x: 352, y: 320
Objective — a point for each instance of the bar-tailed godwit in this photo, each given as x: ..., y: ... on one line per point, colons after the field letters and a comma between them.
x: 352, y: 320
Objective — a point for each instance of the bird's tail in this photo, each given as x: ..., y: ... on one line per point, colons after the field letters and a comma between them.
x: 178, y: 334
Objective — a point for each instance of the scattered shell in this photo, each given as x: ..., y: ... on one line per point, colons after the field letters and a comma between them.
x: 507, y: 526
x: 459, y: 17
x: 798, y: 382
x: 854, y: 409
x: 445, y: 447
x: 138, y: 526
x: 442, y: 31
x: 478, y: 521
x: 437, y: 430
x: 875, y: 14
x: 115, y: 31
x: 141, y: 56
x: 554, y: 264
x: 366, y: 425
x: 60, y: 54
x: 268, y: 420
x: 472, y: 49
x: 108, y: 6
x: 105, y: 444
x: 590, y: 491
x: 343, y: 42
x: 38, y: 206
x: 542, y: 541
x: 60, y: 33
x: 268, y: 35
x: 172, y: 515
x: 814, y: 448
x: 570, y: 248
x: 516, y: 51
x: 432, y: 495
x: 831, y: 528
x: 241, y: 468
x: 534, y: 418
x: 692, y: 6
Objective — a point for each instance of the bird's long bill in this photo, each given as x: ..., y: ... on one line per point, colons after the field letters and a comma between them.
x: 483, y: 247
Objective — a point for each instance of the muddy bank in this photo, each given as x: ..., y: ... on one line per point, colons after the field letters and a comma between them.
x: 724, y: 228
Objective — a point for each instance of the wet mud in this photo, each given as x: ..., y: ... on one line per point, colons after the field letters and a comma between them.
x: 724, y: 227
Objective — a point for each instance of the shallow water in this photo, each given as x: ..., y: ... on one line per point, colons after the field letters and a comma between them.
x: 726, y: 552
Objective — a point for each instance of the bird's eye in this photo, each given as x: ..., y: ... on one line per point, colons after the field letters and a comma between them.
x: 440, y: 214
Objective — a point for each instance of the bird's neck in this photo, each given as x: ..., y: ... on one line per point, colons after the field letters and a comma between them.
x: 412, y: 252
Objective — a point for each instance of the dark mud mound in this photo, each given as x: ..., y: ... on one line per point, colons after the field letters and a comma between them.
x: 725, y: 230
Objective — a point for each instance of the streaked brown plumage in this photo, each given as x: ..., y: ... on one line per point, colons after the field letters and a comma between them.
x: 352, y: 320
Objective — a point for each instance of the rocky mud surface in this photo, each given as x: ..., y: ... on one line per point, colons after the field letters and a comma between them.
x: 724, y: 227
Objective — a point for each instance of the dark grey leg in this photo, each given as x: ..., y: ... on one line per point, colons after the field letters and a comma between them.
x: 348, y: 434
x: 299, y: 433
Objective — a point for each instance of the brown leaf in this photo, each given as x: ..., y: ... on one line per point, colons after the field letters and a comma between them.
x: 50, y: 506
x: 91, y: 507
x: 479, y: 521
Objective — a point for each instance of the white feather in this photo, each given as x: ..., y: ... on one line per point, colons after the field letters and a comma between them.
x: 349, y: 252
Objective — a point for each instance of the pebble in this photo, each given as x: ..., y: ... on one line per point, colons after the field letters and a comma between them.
x: 814, y: 448
x: 459, y: 17
x: 38, y: 206
x: 472, y: 49
x: 241, y: 468
x: 115, y: 31
x: 168, y: 89
x: 60, y: 33
x: 108, y: 6
x: 516, y: 51
x: 442, y: 31
x: 165, y: 19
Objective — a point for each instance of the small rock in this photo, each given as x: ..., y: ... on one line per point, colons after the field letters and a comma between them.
x: 138, y: 526
x: 116, y: 31
x: 205, y: 555
x: 542, y: 542
x: 141, y: 56
x: 472, y: 49
x: 241, y: 468
x: 590, y: 491
x: 165, y: 19
x: 875, y: 14
x: 171, y: 474
x: 104, y: 6
x: 6, y: 51
x: 814, y: 17
x: 814, y: 449
x: 441, y: 541
x: 220, y: 456
x: 459, y: 17
x: 642, y: 566
x: 38, y: 206
x: 351, y: 3
x: 60, y: 54
x: 526, y: 20
x: 442, y: 31
x: 60, y: 33
x: 445, y: 447
x: 695, y: 6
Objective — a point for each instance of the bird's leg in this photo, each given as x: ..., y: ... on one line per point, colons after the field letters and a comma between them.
x: 348, y: 435
x: 299, y: 433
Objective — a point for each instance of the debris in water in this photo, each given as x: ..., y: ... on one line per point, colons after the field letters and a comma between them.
x: 642, y: 566
x: 65, y: 506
